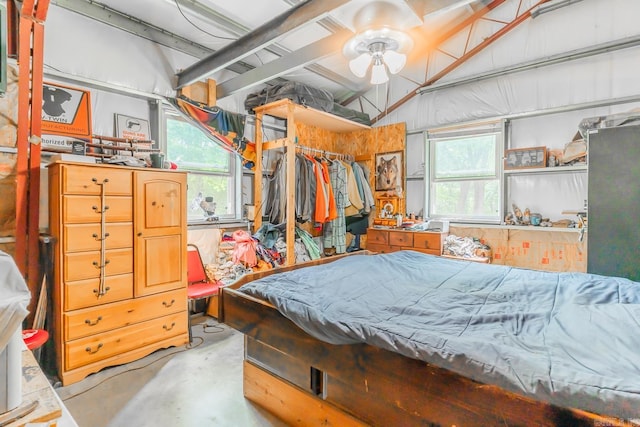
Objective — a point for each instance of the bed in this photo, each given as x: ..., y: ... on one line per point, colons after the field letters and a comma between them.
x: 412, y: 339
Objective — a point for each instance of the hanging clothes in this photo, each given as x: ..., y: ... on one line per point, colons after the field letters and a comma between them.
x: 332, y: 210
x: 305, y: 189
x: 275, y: 201
x: 322, y: 199
x: 364, y: 189
x: 356, y: 204
x: 335, y: 235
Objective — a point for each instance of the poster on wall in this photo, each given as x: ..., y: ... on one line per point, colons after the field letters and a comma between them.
x: 66, y: 115
x: 389, y: 172
x: 128, y: 127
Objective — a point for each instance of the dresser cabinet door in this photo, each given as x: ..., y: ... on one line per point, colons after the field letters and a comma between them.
x: 160, y: 230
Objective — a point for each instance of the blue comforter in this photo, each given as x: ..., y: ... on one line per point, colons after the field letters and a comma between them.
x: 572, y: 339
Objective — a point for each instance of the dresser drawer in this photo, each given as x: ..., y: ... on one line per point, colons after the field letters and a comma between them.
x: 86, y: 180
x: 400, y: 238
x: 82, y: 323
x: 83, y: 209
x: 80, y: 265
x: 383, y: 249
x: 428, y: 241
x: 91, y: 349
x: 85, y: 237
x: 380, y: 237
x: 84, y: 293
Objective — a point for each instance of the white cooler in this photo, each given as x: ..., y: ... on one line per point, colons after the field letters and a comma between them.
x: 14, y: 300
x: 11, y: 373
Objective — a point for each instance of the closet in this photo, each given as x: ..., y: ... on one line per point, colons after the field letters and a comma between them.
x: 119, y: 288
x: 322, y: 131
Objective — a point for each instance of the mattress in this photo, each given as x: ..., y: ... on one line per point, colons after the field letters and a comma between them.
x: 571, y: 339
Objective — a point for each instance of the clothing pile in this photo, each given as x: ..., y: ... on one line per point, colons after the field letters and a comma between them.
x: 465, y: 247
x: 327, y: 192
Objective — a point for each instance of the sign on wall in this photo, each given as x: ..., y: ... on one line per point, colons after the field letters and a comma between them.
x: 66, y: 111
x: 128, y: 127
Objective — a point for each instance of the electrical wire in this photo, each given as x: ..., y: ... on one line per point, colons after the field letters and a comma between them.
x: 199, y: 28
x: 205, y: 328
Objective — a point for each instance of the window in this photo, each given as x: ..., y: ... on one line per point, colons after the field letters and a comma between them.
x: 465, y: 175
x: 214, y: 172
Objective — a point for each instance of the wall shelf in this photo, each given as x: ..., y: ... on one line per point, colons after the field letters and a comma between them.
x: 310, y: 116
x: 556, y: 169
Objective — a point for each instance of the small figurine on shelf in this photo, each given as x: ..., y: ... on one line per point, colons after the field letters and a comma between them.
x: 209, y: 208
x: 207, y: 205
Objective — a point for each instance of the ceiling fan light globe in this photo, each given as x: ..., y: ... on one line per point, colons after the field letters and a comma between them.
x: 394, y: 60
x: 360, y: 64
x: 379, y: 74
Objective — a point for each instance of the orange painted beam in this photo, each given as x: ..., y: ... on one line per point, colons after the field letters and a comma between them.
x: 464, y: 58
x: 22, y: 143
x: 30, y: 77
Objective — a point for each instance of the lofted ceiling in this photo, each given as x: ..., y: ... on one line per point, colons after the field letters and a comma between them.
x: 245, y: 44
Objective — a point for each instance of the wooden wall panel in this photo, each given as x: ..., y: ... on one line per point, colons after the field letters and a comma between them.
x: 315, y: 137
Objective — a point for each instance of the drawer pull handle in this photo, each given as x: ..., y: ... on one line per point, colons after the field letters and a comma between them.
x: 95, y: 236
x: 88, y: 349
x: 90, y: 323
x: 103, y: 181
x: 106, y: 289
x: 98, y: 266
x: 168, y: 328
x: 168, y: 304
x: 98, y: 211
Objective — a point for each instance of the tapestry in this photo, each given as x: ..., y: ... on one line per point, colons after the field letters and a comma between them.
x: 225, y: 127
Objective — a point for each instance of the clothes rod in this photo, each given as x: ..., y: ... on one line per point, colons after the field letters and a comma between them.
x: 325, y: 152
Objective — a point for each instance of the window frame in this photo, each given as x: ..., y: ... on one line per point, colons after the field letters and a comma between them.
x: 234, y: 172
x: 497, y: 128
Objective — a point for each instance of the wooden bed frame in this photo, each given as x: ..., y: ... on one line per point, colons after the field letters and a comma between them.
x: 305, y: 381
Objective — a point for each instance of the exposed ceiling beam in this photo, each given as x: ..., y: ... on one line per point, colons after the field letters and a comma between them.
x: 238, y: 30
x: 266, y: 34
x: 133, y: 25
x: 283, y: 65
x: 560, y: 58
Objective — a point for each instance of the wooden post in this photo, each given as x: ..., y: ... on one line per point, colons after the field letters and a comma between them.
x: 291, y: 183
x: 257, y: 178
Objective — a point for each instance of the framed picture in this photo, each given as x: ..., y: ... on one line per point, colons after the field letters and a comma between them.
x: 389, y: 172
x: 522, y: 158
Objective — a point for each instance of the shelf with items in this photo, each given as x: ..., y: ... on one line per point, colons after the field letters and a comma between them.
x: 309, y: 116
x: 545, y: 170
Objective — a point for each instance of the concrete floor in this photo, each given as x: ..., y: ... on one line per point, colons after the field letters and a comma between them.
x: 199, y: 386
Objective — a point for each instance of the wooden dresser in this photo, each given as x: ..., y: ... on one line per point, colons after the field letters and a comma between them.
x: 389, y: 240
x: 119, y: 288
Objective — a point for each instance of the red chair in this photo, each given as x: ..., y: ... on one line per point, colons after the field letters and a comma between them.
x: 200, y: 287
x: 34, y: 338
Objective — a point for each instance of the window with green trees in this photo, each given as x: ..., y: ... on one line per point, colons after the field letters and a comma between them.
x: 212, y: 179
x: 465, y: 177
